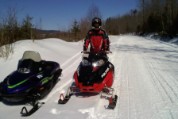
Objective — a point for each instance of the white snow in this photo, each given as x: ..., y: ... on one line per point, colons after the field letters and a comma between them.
x: 146, y: 80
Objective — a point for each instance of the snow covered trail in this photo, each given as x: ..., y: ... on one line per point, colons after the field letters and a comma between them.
x: 148, y: 79
x: 146, y: 82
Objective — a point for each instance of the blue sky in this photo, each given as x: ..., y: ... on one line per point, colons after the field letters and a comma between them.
x: 59, y: 14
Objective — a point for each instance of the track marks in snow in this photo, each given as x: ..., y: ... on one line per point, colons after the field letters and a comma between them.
x: 137, y: 97
x: 68, y: 68
x: 166, y: 85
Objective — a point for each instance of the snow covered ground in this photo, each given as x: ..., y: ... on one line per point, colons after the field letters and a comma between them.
x: 146, y: 80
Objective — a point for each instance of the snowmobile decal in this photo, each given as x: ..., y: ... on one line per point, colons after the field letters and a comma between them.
x: 104, y: 74
x: 14, y: 86
x: 45, y: 80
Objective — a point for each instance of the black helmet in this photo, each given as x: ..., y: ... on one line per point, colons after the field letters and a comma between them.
x: 96, y: 22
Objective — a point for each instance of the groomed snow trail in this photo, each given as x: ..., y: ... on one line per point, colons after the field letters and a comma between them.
x: 148, y: 79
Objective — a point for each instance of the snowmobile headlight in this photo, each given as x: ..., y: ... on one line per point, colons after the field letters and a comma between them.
x: 95, y: 64
x: 98, y: 63
x: 85, y: 62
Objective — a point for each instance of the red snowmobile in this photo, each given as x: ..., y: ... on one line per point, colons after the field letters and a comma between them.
x: 95, y: 74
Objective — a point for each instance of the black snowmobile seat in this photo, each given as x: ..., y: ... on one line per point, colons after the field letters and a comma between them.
x: 28, y: 65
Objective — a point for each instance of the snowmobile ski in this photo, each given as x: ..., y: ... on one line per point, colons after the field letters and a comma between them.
x: 64, y: 99
x: 108, y: 94
x: 35, y: 106
x: 112, y: 102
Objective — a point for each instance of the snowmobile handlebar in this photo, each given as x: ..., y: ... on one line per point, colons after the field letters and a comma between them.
x: 88, y: 52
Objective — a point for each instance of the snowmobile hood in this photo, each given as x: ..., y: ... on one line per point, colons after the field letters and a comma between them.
x: 16, y: 79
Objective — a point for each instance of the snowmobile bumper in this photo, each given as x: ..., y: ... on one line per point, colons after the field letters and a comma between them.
x: 13, y: 98
x: 95, y: 88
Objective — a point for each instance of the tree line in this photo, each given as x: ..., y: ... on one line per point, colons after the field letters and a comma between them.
x: 12, y: 30
x: 152, y: 16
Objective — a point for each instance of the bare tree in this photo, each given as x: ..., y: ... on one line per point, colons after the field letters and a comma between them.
x: 11, y: 25
x: 85, y: 22
x: 84, y: 26
x: 93, y: 11
x: 9, y: 32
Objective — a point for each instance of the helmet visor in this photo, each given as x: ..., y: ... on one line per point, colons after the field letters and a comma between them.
x: 96, y: 25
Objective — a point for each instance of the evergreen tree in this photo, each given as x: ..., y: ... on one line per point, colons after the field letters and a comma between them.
x: 26, y: 28
x: 75, y: 29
